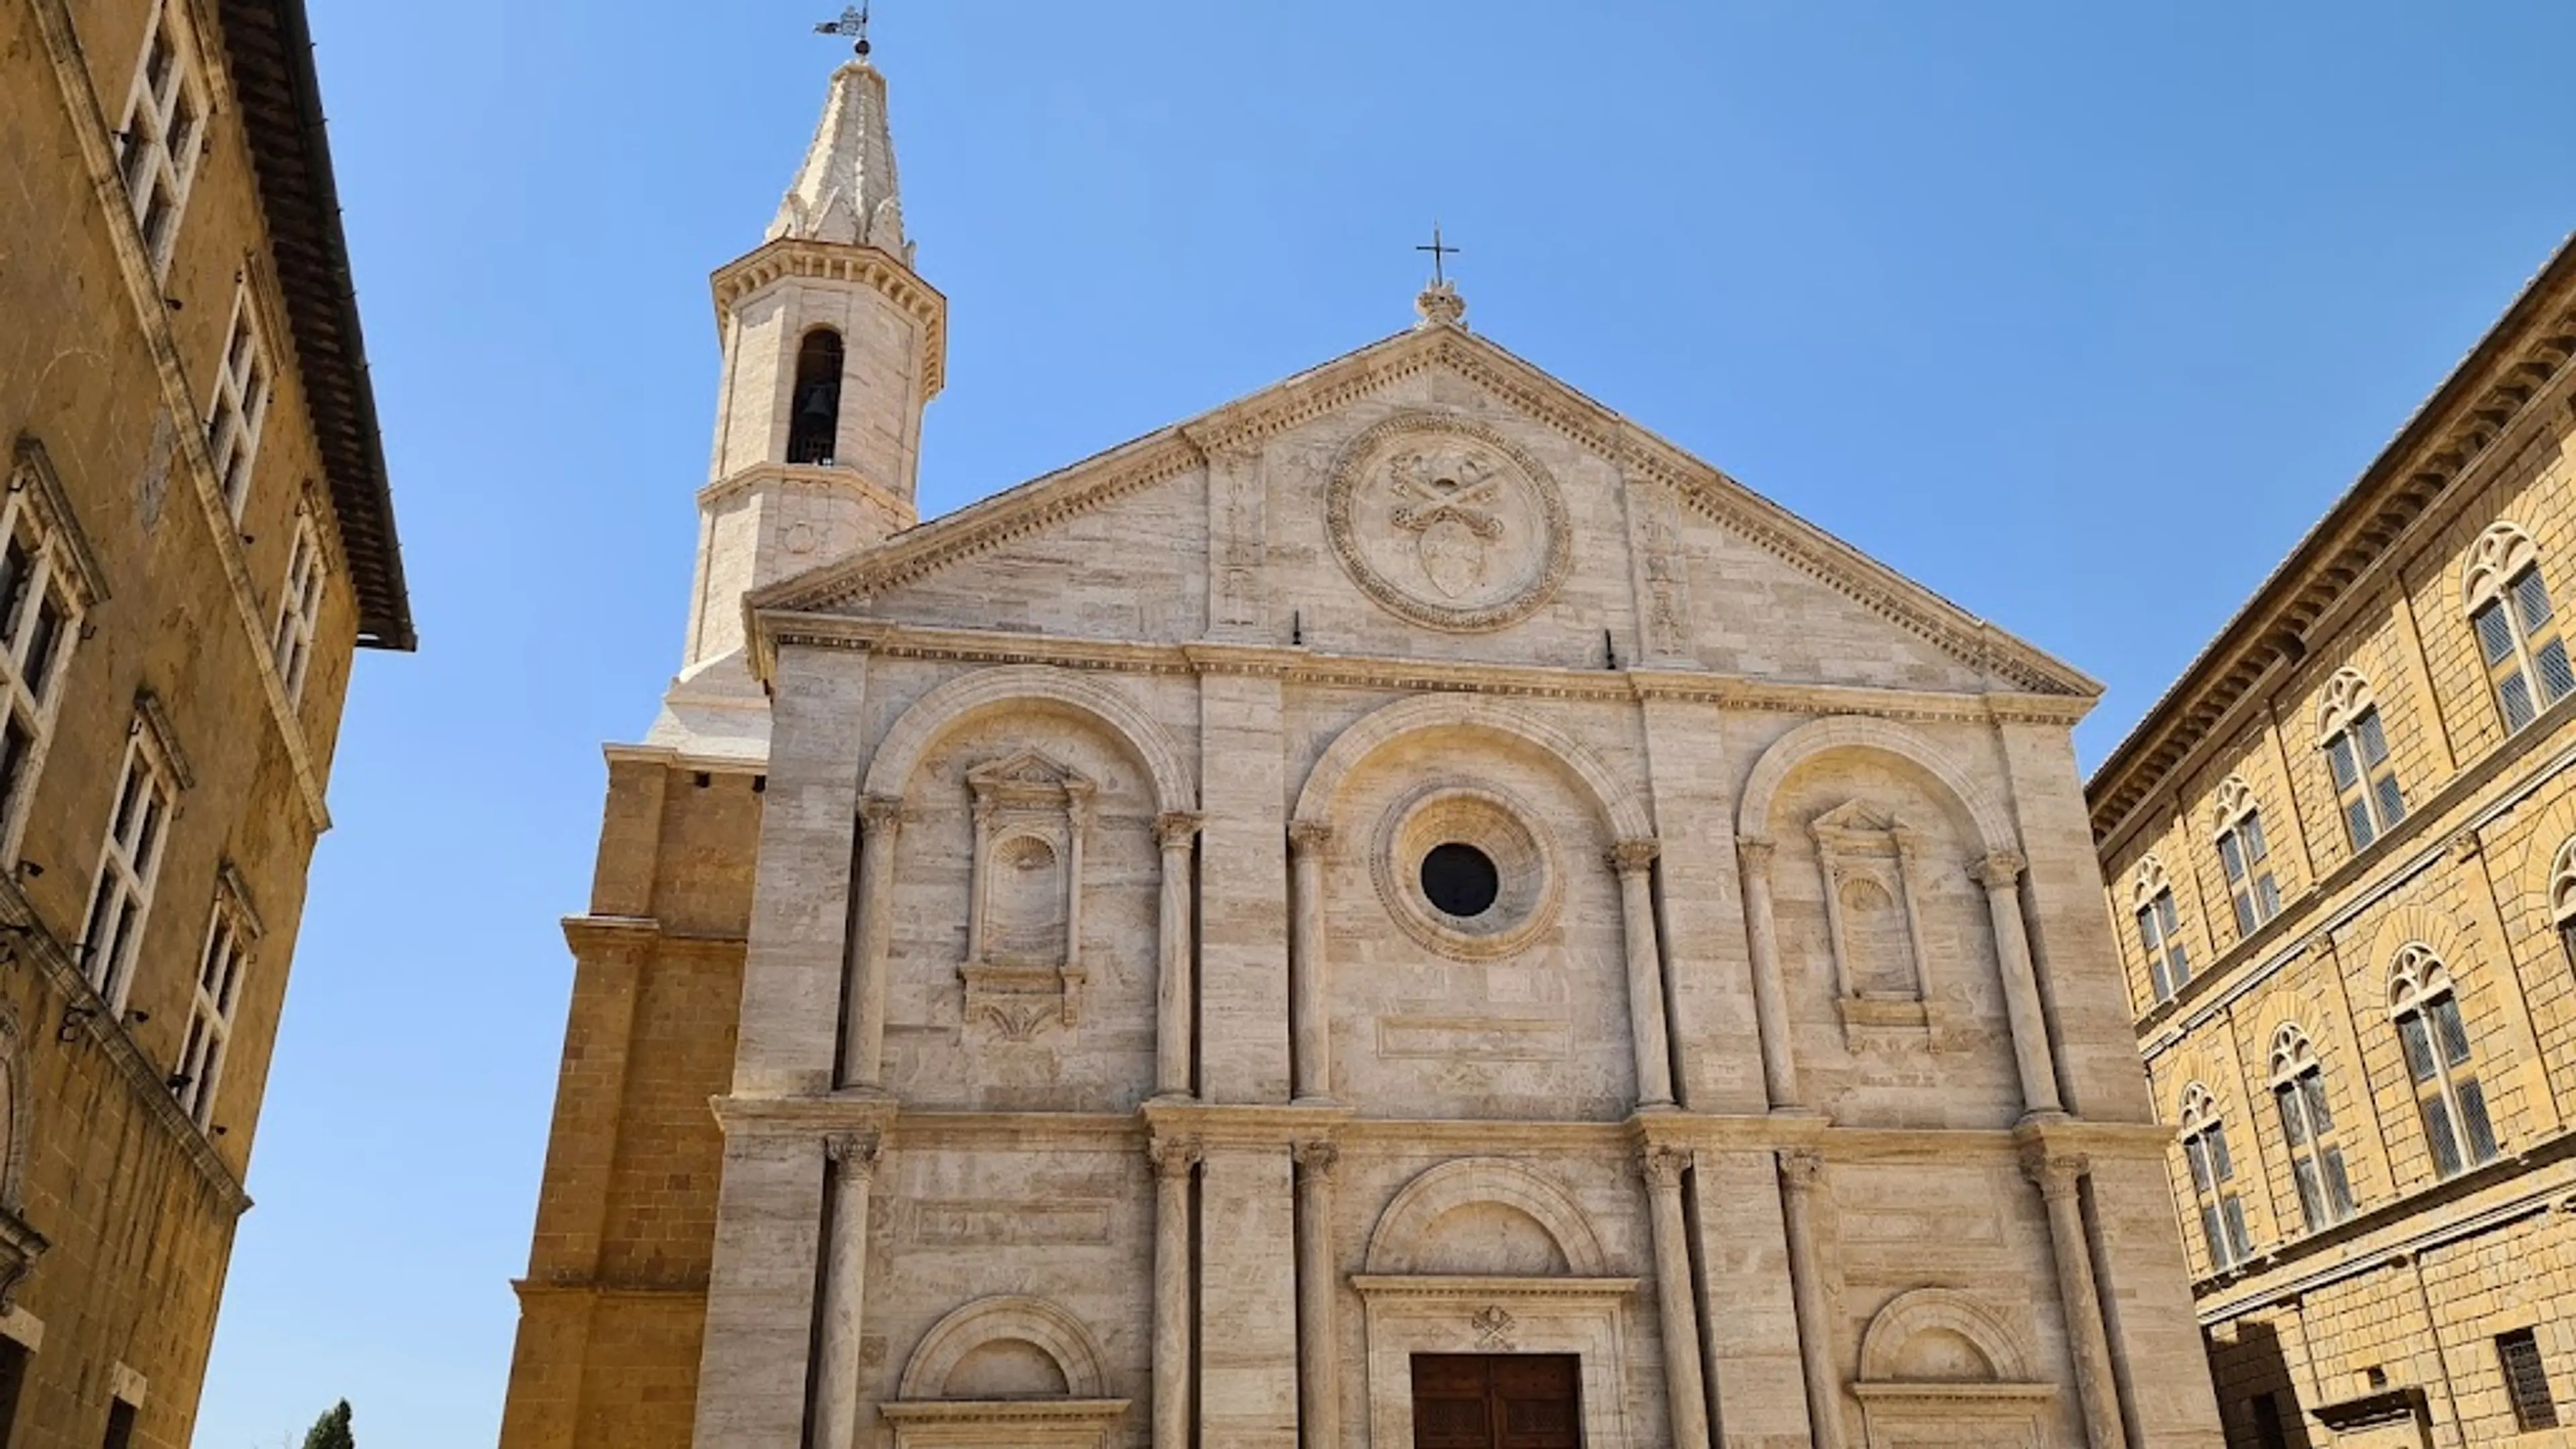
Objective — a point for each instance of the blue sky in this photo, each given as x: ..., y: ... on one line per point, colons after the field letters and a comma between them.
x: 2079, y: 314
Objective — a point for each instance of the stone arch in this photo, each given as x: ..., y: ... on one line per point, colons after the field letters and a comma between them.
x: 1010, y: 1318
x: 17, y: 1112
x: 1886, y: 737
x: 1912, y: 1316
x: 2424, y: 929
x: 1620, y: 807
x: 1405, y: 1225
x: 942, y: 709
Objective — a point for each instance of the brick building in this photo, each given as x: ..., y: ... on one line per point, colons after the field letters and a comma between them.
x: 2341, y: 852
x: 195, y: 537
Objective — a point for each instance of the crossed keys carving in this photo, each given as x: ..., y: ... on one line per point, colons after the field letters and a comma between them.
x: 1442, y: 492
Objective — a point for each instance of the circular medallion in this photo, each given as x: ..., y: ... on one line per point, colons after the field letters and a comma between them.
x: 1448, y: 523
x: 1464, y: 871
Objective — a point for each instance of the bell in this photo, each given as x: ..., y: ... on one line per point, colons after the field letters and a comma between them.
x: 818, y: 402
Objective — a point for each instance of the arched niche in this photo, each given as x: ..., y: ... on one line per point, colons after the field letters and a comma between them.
x: 1408, y: 1232
x: 1938, y: 1365
x: 1818, y: 738
x: 943, y: 709
x: 1003, y: 1373
x: 1622, y: 812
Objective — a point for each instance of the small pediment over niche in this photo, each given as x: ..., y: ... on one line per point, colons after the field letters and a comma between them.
x: 1027, y: 778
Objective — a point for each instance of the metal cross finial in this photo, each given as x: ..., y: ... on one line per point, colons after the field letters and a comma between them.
x: 1440, y: 253
x: 852, y: 25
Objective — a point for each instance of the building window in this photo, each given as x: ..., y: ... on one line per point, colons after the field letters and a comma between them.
x: 128, y: 867
x: 299, y: 608
x: 2526, y: 1380
x: 41, y: 595
x: 2269, y: 1430
x: 210, y: 1018
x: 240, y: 406
x: 2356, y: 747
x: 120, y: 1425
x: 2453, y: 1106
x: 2517, y: 630
x: 2316, y: 1154
x: 2159, y: 928
x: 162, y: 136
x: 814, y: 424
x: 2213, y: 1177
x: 2562, y: 897
x: 2245, y: 857
x: 13, y: 1384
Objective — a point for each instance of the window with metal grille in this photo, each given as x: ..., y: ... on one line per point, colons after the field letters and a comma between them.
x: 162, y: 135
x: 2526, y: 1380
x: 2213, y: 1177
x: 2245, y: 858
x: 240, y: 407
x: 2307, y: 1124
x: 2516, y: 626
x: 129, y: 866
x: 2448, y: 1097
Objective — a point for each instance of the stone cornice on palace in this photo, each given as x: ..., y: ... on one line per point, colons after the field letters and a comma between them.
x: 2484, y: 413
x: 777, y: 628
x: 1243, y: 425
x: 789, y: 257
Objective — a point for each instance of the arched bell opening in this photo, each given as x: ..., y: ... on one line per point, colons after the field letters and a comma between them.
x: 814, y: 429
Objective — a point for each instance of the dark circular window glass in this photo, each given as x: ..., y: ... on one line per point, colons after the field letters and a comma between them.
x: 1461, y: 880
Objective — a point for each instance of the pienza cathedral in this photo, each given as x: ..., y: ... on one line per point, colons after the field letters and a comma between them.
x: 1404, y: 910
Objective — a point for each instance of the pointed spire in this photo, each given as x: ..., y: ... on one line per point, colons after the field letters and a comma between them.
x: 847, y: 191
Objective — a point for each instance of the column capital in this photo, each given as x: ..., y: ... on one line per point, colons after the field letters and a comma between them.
x: 1173, y: 1157
x: 2054, y: 1173
x: 2001, y: 871
x: 1318, y: 1155
x: 855, y: 1152
x: 1801, y: 1168
x: 1309, y: 837
x: 881, y: 811
x: 1633, y: 857
x: 1755, y: 852
x: 1663, y: 1164
x: 1175, y: 830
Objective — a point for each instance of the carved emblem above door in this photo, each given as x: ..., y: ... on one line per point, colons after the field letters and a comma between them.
x: 1448, y: 523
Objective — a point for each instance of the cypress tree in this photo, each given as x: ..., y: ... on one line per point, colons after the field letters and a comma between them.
x: 331, y: 1431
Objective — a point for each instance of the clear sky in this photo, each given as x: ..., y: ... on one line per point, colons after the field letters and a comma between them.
x: 2080, y: 314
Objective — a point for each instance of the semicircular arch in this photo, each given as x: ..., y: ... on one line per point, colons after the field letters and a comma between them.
x: 1910, y: 1315
x: 1004, y: 1319
x: 1620, y: 806
x: 933, y: 715
x: 1405, y: 1226
x: 1877, y: 736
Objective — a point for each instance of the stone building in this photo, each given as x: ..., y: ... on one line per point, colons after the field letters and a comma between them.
x: 2341, y: 853
x: 1402, y: 910
x: 195, y: 538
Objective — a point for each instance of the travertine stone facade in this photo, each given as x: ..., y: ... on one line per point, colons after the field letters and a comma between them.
x: 1128, y: 1051
x: 195, y: 537
x: 2392, y: 1216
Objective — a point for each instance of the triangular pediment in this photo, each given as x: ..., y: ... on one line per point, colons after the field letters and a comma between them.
x: 1066, y: 519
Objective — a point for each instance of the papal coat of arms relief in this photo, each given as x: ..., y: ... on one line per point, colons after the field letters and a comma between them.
x: 1448, y: 523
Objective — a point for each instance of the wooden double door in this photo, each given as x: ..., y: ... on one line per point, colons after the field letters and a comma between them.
x: 1497, y: 1401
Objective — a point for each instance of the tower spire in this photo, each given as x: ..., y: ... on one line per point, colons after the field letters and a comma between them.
x: 847, y: 190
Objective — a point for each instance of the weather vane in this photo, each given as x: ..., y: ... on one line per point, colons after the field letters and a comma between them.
x: 853, y: 25
x: 1440, y: 253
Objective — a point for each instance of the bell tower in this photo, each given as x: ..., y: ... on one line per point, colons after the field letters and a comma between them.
x: 833, y: 346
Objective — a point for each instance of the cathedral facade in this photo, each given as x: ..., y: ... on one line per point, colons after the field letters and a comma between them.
x: 1404, y: 910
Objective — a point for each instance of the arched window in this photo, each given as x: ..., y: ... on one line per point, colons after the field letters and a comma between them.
x: 2562, y: 898
x: 814, y: 420
x: 2517, y: 630
x: 2245, y: 857
x: 2426, y: 1009
x: 2159, y: 928
x: 2213, y: 1178
x: 2316, y: 1155
x: 2365, y: 778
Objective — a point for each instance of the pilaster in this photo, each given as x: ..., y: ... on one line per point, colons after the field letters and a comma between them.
x: 1243, y: 892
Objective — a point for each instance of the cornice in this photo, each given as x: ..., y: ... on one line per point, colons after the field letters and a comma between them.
x: 849, y: 482
x: 669, y: 758
x: 34, y: 470
x: 2478, y: 420
x: 791, y: 257
x: 776, y: 628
